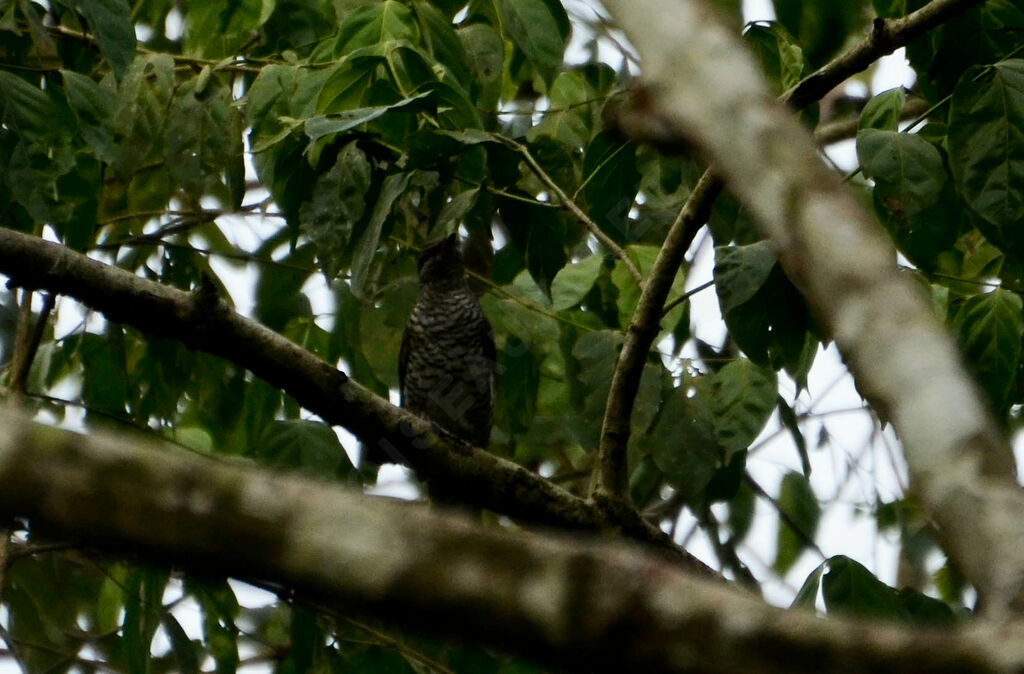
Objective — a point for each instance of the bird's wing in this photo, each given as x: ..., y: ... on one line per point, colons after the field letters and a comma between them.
x: 491, y: 355
x: 403, y: 362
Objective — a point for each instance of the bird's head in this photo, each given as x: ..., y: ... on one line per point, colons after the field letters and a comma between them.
x: 441, y: 261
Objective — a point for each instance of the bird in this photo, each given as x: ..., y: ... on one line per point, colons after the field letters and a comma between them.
x: 446, y: 365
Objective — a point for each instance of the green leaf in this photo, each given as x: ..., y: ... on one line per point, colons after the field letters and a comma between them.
x: 455, y: 110
x: 648, y: 401
x: 990, y: 328
x: 797, y: 500
x: 726, y: 482
x: 279, y: 297
x: 788, y: 417
x: 570, y: 119
x: 346, y: 86
x: 37, y: 154
x: 849, y: 588
x: 771, y: 327
x: 645, y: 481
x: 339, y: 199
x: 279, y: 101
x: 440, y: 38
x: 215, y: 28
x: 104, y: 384
x: 394, y: 186
x: 380, y: 326
x: 143, y: 99
x: 110, y: 22
x: 572, y: 283
x: 920, y: 609
x: 983, y: 35
x: 456, y: 209
x: 322, y: 126
x: 25, y: 108
x: 538, y: 233
x: 741, y: 512
x: 485, y: 52
x: 807, y: 596
x: 907, y: 170
x: 374, y: 24
x: 309, y: 446
x: 890, y: 9
x: 142, y: 609
x: 517, y: 386
x: 822, y: 28
x: 611, y: 184
x: 780, y: 57
x: 740, y: 271
x: 596, y: 353
x: 986, y: 149
x: 883, y: 111
x: 683, y: 442
x: 93, y: 105
x: 927, y: 237
x: 219, y: 608
x: 536, y: 28
x: 204, y: 137
x: 744, y: 396
x: 40, y: 615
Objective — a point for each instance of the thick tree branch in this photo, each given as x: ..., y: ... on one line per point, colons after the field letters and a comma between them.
x: 580, y: 603
x: 645, y: 121
x: 203, y: 321
x: 706, y: 87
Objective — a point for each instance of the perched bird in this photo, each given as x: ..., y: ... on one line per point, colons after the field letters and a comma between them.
x: 446, y: 365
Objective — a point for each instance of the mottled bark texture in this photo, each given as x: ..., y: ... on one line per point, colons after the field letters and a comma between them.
x: 579, y: 602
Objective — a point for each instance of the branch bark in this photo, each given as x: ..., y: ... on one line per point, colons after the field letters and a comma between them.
x: 204, y: 322
x: 900, y: 354
x: 575, y: 602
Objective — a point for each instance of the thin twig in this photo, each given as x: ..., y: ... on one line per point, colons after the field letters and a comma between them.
x: 571, y: 206
x: 685, y: 296
x: 246, y: 210
x: 39, y: 549
x: 179, y: 225
x: 726, y: 552
x: 392, y: 643
x: 802, y: 535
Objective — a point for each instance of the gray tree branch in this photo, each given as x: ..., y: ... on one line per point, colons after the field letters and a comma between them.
x: 578, y: 602
x: 203, y: 321
x: 706, y: 88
